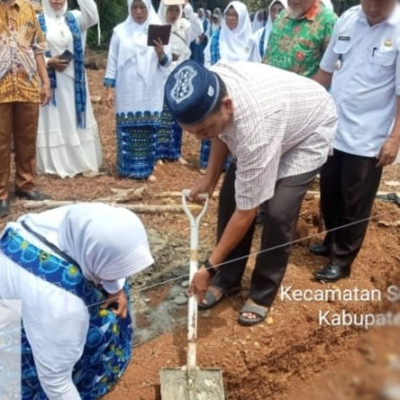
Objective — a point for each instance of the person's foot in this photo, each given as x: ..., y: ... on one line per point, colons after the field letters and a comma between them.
x: 33, y: 195
x: 252, y: 313
x: 215, y: 295
x: 182, y: 161
x: 4, y: 208
x: 318, y: 249
x: 90, y: 174
x: 332, y: 273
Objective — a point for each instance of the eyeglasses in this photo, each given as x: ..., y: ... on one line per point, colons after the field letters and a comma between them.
x: 231, y: 15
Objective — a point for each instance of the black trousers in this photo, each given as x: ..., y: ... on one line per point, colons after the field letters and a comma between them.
x: 279, y: 228
x: 348, y: 187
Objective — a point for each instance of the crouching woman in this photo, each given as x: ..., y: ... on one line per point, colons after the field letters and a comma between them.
x: 69, y: 268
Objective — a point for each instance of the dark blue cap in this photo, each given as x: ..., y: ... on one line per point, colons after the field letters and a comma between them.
x: 191, y: 92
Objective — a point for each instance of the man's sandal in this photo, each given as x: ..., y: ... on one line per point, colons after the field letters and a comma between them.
x: 212, y: 301
x: 259, y: 311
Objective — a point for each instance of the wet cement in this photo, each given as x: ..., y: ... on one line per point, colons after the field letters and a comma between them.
x: 198, y: 384
x: 163, y: 307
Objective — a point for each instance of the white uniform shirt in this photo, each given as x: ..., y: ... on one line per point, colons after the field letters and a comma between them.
x: 283, y: 125
x: 365, y: 62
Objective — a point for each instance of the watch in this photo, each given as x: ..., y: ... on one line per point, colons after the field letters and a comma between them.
x: 212, y: 270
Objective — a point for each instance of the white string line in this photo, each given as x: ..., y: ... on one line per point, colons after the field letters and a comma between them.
x: 146, y: 288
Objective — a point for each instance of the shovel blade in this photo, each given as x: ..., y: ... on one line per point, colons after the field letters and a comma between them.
x: 198, y: 384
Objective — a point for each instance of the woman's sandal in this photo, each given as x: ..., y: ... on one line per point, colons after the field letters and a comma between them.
x: 212, y: 301
x: 260, y: 311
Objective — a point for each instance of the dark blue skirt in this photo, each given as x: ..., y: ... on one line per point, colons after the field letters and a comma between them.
x: 136, y: 144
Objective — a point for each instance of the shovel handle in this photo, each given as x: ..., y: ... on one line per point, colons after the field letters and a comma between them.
x: 194, y: 261
x: 193, y: 219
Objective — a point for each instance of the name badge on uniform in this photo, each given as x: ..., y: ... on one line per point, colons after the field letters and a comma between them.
x: 344, y: 38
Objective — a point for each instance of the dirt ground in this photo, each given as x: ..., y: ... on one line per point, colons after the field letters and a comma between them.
x: 292, y: 355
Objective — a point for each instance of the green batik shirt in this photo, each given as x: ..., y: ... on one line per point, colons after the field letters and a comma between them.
x: 298, y: 45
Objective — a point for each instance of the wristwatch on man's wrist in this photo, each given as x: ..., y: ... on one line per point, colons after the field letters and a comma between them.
x: 212, y: 270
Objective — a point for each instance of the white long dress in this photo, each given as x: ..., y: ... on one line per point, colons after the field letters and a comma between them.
x: 63, y: 148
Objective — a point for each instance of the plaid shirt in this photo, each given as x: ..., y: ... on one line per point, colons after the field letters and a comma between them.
x: 20, y: 40
x: 283, y: 125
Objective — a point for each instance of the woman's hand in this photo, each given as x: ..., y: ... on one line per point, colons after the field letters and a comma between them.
x: 120, y: 300
x: 159, y: 49
x: 200, y: 284
x: 57, y: 64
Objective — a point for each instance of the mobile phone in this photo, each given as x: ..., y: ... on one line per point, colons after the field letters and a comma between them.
x: 67, y: 56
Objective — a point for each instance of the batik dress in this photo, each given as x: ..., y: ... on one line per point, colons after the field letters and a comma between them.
x: 108, y: 343
x: 137, y: 76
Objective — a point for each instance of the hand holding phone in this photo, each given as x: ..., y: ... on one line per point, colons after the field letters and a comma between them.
x: 66, y: 56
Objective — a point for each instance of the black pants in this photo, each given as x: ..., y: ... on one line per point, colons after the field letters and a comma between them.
x: 348, y: 187
x: 279, y: 228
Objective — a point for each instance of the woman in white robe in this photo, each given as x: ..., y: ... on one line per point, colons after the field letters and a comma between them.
x: 259, y: 21
x: 134, y: 80
x: 68, y: 141
x: 68, y: 266
x: 183, y: 32
x: 228, y: 44
x: 259, y: 40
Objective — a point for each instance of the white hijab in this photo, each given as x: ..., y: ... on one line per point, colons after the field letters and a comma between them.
x: 109, y: 243
x: 63, y: 36
x: 256, y: 24
x: 233, y: 43
x: 269, y: 23
x: 133, y: 42
x: 49, y: 11
x: 178, y: 41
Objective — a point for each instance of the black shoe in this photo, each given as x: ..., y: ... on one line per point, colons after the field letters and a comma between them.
x: 31, y: 195
x: 332, y: 273
x: 318, y: 249
x: 4, y: 208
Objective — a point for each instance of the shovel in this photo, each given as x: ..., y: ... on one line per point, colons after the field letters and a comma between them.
x: 190, y: 382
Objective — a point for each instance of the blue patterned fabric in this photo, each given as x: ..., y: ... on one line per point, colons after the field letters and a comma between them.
x: 214, y: 56
x: 214, y: 47
x: 169, y: 137
x: 79, y: 67
x: 261, y: 44
x: 108, y: 345
x: 136, y: 143
x: 108, y: 82
x: 205, y: 155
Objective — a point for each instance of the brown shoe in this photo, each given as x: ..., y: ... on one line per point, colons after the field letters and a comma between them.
x: 33, y: 195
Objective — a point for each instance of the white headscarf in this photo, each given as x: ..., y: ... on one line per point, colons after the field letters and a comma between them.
x: 50, y: 12
x: 133, y: 42
x: 109, y: 243
x: 269, y: 23
x: 233, y: 43
x: 52, y: 22
x: 256, y: 24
